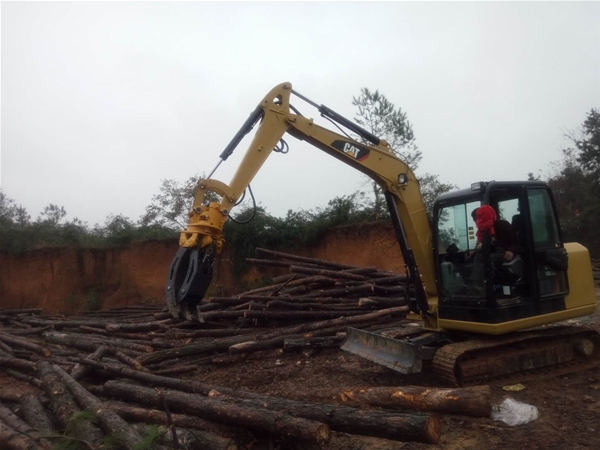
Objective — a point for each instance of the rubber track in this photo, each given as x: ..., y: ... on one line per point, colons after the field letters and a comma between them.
x: 448, y: 359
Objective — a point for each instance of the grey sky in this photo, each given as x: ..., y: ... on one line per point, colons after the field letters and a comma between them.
x: 100, y: 101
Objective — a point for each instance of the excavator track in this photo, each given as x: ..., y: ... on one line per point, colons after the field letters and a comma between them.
x: 554, y: 350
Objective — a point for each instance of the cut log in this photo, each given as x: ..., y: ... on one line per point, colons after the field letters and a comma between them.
x: 15, y: 422
x: 64, y: 408
x: 384, y: 424
x: 471, y: 401
x: 80, y: 371
x: 306, y: 315
x: 35, y: 414
x: 127, y: 360
x: 328, y: 273
x: 150, y: 379
x: 6, y: 348
x: 319, y: 262
x: 13, y: 440
x: 90, y: 343
x: 280, y: 424
x: 190, y: 349
x: 23, y: 343
x: 18, y: 364
x: 135, y: 327
x: 30, y: 331
x: 110, y: 421
x: 151, y: 416
x: 24, y: 377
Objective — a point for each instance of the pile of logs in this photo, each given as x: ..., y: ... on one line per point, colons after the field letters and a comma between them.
x: 85, y: 363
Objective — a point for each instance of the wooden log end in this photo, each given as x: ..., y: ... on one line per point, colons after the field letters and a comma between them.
x: 323, y: 435
x: 433, y: 429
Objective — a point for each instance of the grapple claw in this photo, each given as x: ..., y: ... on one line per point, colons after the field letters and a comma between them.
x: 190, y: 275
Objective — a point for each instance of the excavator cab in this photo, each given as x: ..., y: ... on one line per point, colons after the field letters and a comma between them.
x: 492, y: 284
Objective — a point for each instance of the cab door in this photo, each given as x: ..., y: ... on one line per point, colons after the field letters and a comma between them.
x: 549, y: 255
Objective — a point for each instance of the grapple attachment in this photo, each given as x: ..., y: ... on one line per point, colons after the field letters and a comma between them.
x: 190, y: 275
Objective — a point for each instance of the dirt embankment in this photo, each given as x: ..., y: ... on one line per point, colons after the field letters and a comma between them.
x: 66, y: 279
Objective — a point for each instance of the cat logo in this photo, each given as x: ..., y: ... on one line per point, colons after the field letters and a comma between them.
x: 351, y: 150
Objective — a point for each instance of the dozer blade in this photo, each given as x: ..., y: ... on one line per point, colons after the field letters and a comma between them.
x: 399, y: 355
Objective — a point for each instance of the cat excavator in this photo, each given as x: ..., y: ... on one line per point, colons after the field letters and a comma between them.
x: 470, y: 328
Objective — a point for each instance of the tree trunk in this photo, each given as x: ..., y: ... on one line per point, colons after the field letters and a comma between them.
x: 109, y: 420
x: 64, y: 408
x: 80, y: 371
x: 23, y: 377
x: 319, y: 262
x: 251, y: 417
x: 13, y: 440
x: 382, y: 424
x: 35, y: 414
x: 328, y: 273
x: 190, y: 349
x: 152, y: 416
x: 23, y: 343
x: 88, y: 343
x: 472, y: 401
x: 14, y: 422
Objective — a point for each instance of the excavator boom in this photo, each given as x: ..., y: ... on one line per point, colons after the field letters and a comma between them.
x: 191, y: 270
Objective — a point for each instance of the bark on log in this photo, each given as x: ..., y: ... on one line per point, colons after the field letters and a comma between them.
x: 387, y: 302
x: 35, y: 414
x: 110, y: 421
x: 80, y: 371
x: 319, y: 262
x: 127, y: 360
x: 64, y: 408
x: 306, y: 315
x: 18, y: 364
x: 471, y: 401
x: 135, y: 327
x: 278, y: 304
x: 151, y: 416
x: 60, y: 324
x: 255, y: 418
x: 383, y: 424
x: 150, y: 379
x: 23, y: 377
x: 88, y: 343
x: 190, y: 349
x: 30, y: 331
x: 328, y: 273
x: 23, y: 343
x: 6, y: 348
x: 15, y: 422
x: 13, y: 440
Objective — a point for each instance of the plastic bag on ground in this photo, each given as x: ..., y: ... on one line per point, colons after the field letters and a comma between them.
x: 513, y: 412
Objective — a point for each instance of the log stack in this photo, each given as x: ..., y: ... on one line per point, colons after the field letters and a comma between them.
x: 73, y: 366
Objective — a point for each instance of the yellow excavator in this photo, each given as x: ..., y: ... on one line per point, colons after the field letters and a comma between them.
x: 474, y: 328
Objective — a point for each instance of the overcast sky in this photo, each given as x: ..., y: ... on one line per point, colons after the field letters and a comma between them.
x: 101, y: 101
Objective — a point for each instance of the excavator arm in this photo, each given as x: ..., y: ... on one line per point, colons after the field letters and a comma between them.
x: 191, y: 270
